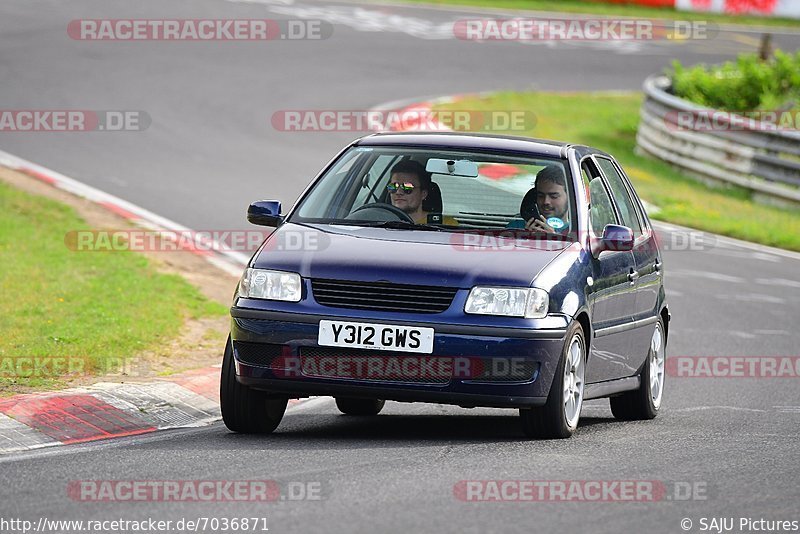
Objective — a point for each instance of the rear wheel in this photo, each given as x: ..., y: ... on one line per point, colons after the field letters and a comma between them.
x: 244, y: 409
x: 360, y: 406
x: 645, y: 402
x: 558, y: 418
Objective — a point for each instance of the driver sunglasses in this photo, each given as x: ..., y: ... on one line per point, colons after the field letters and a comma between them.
x: 396, y: 187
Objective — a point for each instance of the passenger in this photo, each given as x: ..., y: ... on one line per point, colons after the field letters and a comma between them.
x: 552, y: 201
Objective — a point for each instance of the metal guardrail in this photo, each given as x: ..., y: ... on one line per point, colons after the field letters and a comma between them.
x: 765, y: 161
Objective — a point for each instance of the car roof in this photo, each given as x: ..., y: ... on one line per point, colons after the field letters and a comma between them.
x: 456, y: 140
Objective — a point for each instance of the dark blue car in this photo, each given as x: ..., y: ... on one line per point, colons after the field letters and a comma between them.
x: 453, y: 268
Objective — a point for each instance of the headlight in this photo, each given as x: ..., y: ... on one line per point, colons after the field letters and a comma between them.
x: 531, y: 303
x: 270, y: 285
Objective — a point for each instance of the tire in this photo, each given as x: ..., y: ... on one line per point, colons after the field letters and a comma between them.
x: 644, y: 403
x: 558, y: 418
x: 246, y: 410
x: 360, y: 406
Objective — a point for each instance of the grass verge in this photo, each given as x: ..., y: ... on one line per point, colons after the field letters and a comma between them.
x: 595, y: 8
x: 64, y: 313
x: 609, y: 122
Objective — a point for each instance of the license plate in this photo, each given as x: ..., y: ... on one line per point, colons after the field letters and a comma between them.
x: 376, y: 336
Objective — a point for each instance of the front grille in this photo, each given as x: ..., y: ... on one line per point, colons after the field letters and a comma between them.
x: 262, y: 354
x: 374, y: 366
x: 382, y: 296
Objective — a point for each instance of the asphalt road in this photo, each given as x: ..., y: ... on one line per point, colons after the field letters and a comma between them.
x: 211, y: 150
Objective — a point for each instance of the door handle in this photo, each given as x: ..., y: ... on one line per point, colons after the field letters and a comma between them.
x: 632, y: 276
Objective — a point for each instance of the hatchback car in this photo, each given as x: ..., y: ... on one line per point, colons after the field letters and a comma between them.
x: 450, y: 268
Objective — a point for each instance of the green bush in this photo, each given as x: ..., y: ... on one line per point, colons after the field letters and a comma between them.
x: 748, y: 84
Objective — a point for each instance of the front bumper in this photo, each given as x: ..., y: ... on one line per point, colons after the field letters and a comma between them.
x: 263, y: 342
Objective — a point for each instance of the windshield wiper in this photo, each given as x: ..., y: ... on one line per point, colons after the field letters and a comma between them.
x: 400, y: 225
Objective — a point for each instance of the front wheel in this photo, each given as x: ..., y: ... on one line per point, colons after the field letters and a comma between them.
x: 645, y: 402
x: 558, y: 418
x: 360, y: 406
x: 247, y: 410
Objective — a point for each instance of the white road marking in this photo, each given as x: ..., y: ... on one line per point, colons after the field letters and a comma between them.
x: 264, y: 2
x: 731, y: 241
x: 378, y: 19
x: 512, y: 12
x: 749, y: 255
x: 752, y: 297
x: 708, y: 275
x: 743, y: 335
x: 788, y: 409
x: 369, y: 20
x: 763, y: 332
x: 778, y: 282
x: 704, y: 408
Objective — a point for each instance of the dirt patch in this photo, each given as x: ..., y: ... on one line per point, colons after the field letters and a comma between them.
x: 201, y: 341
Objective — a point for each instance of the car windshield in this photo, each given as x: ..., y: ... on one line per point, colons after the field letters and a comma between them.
x: 453, y: 190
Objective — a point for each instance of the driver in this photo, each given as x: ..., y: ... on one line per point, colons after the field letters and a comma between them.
x: 408, y: 187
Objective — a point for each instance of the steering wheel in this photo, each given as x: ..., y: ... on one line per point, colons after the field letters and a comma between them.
x: 379, y: 210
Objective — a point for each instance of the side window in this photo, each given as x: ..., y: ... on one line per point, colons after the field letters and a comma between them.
x: 586, y: 180
x: 321, y: 202
x: 372, y: 178
x: 601, y: 211
x: 637, y: 204
x: 626, y: 210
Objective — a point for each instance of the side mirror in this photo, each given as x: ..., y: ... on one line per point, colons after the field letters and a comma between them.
x: 265, y: 213
x: 615, y: 237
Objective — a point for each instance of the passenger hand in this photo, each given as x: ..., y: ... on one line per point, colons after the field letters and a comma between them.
x: 539, y: 225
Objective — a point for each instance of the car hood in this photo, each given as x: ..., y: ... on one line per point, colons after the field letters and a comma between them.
x: 445, y: 259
